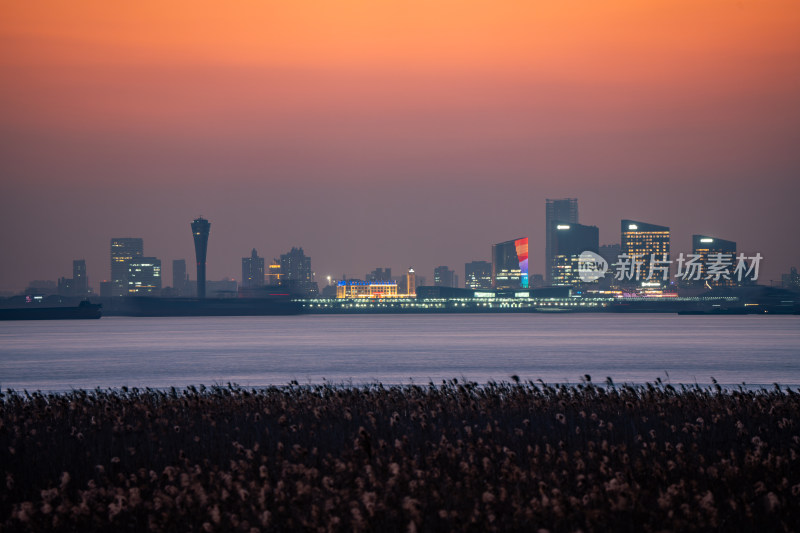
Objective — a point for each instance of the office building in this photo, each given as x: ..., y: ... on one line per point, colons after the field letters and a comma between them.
x: 444, y: 277
x: 641, y: 243
x: 180, y: 279
x: 144, y: 276
x: 252, y: 271
x: 510, y: 264
x: 79, y: 277
x: 478, y: 275
x: 123, y: 249
x: 564, y: 210
x: 200, y: 230
x: 712, y: 250
x: 568, y: 242
x: 366, y: 289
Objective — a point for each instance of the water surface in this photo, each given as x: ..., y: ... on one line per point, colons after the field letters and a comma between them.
x: 255, y: 351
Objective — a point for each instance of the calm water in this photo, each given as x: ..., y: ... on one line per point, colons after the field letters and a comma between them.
x: 253, y: 351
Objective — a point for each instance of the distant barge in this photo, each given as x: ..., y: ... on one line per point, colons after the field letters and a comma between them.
x: 83, y: 311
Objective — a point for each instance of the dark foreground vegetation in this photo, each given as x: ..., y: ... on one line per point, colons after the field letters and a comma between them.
x: 453, y: 457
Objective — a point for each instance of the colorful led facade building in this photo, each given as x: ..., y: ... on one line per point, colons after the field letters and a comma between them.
x: 366, y: 289
x: 510, y: 264
x: 711, y: 249
x: 643, y: 242
x: 569, y: 241
x: 565, y: 211
x: 123, y: 249
x: 200, y: 230
x: 478, y: 275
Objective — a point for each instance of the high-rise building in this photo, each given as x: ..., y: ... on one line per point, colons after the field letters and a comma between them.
x: 80, y: 279
x: 411, y: 282
x: 641, y: 243
x: 444, y: 277
x: 200, y: 229
x: 252, y: 271
x: 568, y: 242
x: 144, y: 276
x: 297, y: 273
x: 478, y: 275
x: 123, y: 249
x: 563, y: 210
x: 180, y: 280
x: 510, y: 264
x: 380, y: 274
x: 714, y: 251
x: 274, y: 274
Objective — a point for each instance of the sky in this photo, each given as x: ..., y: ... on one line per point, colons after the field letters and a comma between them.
x: 390, y: 133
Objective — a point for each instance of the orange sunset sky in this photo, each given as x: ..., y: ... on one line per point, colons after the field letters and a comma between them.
x: 389, y: 133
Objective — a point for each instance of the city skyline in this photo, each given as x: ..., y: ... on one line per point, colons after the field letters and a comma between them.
x: 434, y: 130
x: 125, y: 243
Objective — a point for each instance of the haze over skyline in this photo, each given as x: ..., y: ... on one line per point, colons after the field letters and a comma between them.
x: 391, y: 133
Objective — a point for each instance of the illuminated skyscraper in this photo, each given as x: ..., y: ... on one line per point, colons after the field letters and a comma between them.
x: 569, y: 241
x: 643, y: 242
x: 478, y: 275
x: 711, y: 249
x: 510, y: 264
x: 123, y: 249
x: 200, y: 230
x: 252, y: 271
x: 564, y: 210
x: 411, y: 282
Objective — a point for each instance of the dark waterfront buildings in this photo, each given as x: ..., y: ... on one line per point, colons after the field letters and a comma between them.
x: 568, y: 242
x: 144, y: 276
x: 478, y: 275
x: 80, y: 278
x: 123, y: 249
x: 564, y: 210
x: 252, y: 271
x: 296, y: 273
x: 180, y: 279
x: 510, y: 264
x: 380, y: 274
x: 200, y: 230
x: 643, y: 242
x: 444, y: 277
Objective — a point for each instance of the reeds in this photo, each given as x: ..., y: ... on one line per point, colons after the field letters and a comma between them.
x: 451, y: 457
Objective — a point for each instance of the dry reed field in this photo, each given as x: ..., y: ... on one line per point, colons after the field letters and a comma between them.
x: 457, y: 456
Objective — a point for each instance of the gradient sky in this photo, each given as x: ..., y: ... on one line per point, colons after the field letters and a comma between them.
x: 391, y: 133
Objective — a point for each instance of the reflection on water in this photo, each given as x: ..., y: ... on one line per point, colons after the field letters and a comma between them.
x: 253, y: 351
